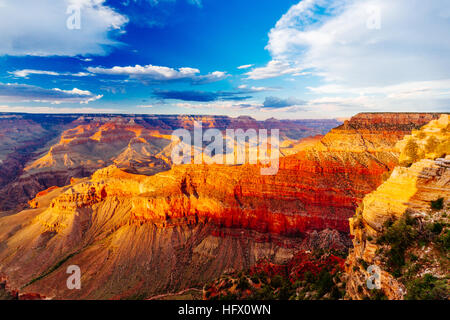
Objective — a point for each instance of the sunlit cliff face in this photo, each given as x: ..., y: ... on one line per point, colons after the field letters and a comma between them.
x: 422, y: 177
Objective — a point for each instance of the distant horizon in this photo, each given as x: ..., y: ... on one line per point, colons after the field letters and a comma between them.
x: 339, y: 119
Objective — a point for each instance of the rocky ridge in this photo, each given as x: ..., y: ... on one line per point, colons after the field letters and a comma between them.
x: 402, y: 227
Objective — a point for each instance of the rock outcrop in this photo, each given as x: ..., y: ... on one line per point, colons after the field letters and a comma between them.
x: 395, y: 219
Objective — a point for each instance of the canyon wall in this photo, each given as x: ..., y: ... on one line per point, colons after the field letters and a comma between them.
x: 398, y: 229
x: 138, y: 235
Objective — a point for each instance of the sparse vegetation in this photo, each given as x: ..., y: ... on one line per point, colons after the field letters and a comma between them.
x: 402, y: 247
x: 443, y: 241
x: 306, y: 276
x: 437, y: 204
x: 428, y: 287
x: 399, y: 235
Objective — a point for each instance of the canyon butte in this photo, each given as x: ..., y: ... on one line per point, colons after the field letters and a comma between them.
x: 102, y: 192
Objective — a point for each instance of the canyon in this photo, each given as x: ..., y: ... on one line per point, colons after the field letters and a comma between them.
x: 105, y: 196
x: 41, y: 151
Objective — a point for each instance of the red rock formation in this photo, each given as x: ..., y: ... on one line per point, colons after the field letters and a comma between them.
x: 317, y: 188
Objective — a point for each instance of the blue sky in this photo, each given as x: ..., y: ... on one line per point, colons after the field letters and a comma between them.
x: 284, y: 59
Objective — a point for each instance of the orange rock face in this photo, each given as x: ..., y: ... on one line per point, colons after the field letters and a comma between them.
x: 315, y: 189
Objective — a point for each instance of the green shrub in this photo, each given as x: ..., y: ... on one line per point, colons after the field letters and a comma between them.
x: 436, y: 227
x: 277, y: 281
x: 378, y: 294
x: 286, y: 290
x: 399, y: 236
x: 427, y: 288
x: 437, y: 204
x: 243, y: 283
x: 444, y: 241
x: 255, y: 279
x: 228, y: 296
x: 413, y: 257
x: 228, y: 284
x: 265, y: 293
x: 324, y: 283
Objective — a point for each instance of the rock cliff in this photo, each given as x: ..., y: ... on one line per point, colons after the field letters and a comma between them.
x: 402, y: 227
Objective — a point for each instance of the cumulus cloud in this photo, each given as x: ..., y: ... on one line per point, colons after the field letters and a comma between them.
x: 410, y: 42
x: 39, y: 28
x: 369, y: 54
x: 11, y: 92
x: 160, y: 74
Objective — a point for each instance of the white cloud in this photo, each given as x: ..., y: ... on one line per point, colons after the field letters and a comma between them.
x: 420, y: 96
x: 39, y: 28
x: 158, y: 73
x: 398, y: 62
x: 11, y: 92
x: 412, y: 44
x: 245, y: 66
x: 274, y: 68
x: 405, y: 89
x: 246, y: 88
x: 26, y: 72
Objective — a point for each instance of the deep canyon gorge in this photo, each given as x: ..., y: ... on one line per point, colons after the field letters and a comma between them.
x: 102, y: 193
